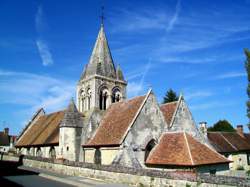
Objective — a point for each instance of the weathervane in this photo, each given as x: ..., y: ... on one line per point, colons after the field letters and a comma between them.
x: 102, y: 15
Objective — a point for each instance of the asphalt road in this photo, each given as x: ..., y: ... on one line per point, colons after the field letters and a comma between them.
x: 14, y: 175
x: 29, y: 181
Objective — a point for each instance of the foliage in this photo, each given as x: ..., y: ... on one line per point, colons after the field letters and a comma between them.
x: 170, y: 96
x: 248, y: 173
x: 247, y: 66
x: 240, y: 168
x: 222, y: 125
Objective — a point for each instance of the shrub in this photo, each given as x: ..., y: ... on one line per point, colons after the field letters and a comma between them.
x: 240, y: 168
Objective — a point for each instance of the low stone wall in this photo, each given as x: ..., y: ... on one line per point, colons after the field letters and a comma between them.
x: 132, y: 176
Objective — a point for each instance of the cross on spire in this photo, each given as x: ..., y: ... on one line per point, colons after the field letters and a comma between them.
x: 102, y: 15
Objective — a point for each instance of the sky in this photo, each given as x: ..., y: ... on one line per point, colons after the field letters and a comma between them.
x: 194, y: 47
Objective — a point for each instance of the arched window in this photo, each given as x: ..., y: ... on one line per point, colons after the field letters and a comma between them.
x: 39, y: 152
x: 103, y: 98
x: 149, y: 147
x: 28, y: 151
x: 52, y: 153
x: 89, y: 98
x: 98, y: 157
x: 116, y: 95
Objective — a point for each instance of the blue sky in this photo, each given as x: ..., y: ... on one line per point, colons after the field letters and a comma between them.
x: 193, y: 47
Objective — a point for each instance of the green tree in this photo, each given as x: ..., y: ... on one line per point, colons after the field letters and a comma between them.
x: 222, y: 125
x: 170, y: 96
x: 247, y: 66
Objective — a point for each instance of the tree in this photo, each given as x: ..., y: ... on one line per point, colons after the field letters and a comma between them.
x: 247, y: 66
x: 222, y: 125
x: 170, y: 96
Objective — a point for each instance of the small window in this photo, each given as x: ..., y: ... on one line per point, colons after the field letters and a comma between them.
x: 248, y: 159
x: 212, y: 171
x: 98, y: 157
x: 67, y: 148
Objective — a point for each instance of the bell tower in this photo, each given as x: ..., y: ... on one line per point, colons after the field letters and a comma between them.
x: 101, y: 83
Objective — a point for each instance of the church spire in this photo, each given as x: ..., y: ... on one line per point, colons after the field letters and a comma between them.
x: 101, y: 61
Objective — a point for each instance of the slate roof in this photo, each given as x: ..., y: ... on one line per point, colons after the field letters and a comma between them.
x: 101, y: 61
x: 168, y: 110
x: 4, y: 139
x: 72, y: 118
x: 45, y: 131
x: 181, y: 149
x: 116, y: 123
x: 228, y: 142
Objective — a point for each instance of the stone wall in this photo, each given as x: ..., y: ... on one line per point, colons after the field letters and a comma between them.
x: 148, y: 126
x: 133, y: 176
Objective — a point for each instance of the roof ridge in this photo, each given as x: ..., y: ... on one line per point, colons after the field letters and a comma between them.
x: 228, y: 141
x: 169, y: 103
x: 189, y: 151
x: 174, y: 114
x: 136, y: 115
x: 212, y: 149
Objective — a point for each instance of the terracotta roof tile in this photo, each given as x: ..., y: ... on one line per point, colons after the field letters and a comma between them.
x: 45, y: 131
x: 168, y: 111
x: 226, y: 142
x: 181, y: 149
x: 115, y: 123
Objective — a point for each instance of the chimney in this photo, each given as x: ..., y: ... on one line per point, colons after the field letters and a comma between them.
x: 240, y: 130
x: 203, y: 127
x: 6, y: 131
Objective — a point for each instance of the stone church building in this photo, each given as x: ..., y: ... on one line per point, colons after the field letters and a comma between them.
x: 104, y: 127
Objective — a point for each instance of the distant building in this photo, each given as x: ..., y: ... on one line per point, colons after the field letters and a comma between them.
x: 6, y: 141
x: 106, y: 128
x: 233, y: 145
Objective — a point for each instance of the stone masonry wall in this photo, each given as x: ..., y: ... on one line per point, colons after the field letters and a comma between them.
x: 132, y: 176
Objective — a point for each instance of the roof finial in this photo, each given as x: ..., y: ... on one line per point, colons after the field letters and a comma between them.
x: 102, y: 15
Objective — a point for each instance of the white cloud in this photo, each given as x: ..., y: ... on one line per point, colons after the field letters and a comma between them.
x: 41, y: 43
x: 44, y: 52
x: 211, y: 105
x: 34, y: 91
x: 230, y: 75
x: 175, y: 16
x: 198, y: 94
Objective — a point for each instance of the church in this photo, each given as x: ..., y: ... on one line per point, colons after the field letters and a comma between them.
x: 103, y: 127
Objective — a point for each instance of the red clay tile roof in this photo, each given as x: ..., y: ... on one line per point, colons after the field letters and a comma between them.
x: 45, y: 131
x: 247, y: 136
x: 181, y: 149
x: 168, y: 111
x: 226, y: 142
x: 115, y: 123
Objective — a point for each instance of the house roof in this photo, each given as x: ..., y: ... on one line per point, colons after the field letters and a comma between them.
x: 116, y: 123
x: 72, y: 118
x: 45, y: 131
x: 168, y: 110
x: 4, y: 139
x: 181, y: 149
x: 226, y: 142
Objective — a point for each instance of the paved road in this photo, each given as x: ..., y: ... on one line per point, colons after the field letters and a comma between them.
x: 29, y: 181
x: 13, y: 176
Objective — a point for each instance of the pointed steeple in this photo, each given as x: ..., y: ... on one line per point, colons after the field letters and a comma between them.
x: 72, y: 118
x: 119, y: 73
x: 101, y: 62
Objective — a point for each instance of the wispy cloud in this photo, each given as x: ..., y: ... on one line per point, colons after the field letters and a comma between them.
x: 230, y: 75
x: 44, y: 52
x: 41, y: 43
x: 34, y: 91
x: 211, y: 105
x: 175, y: 16
x: 198, y: 94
